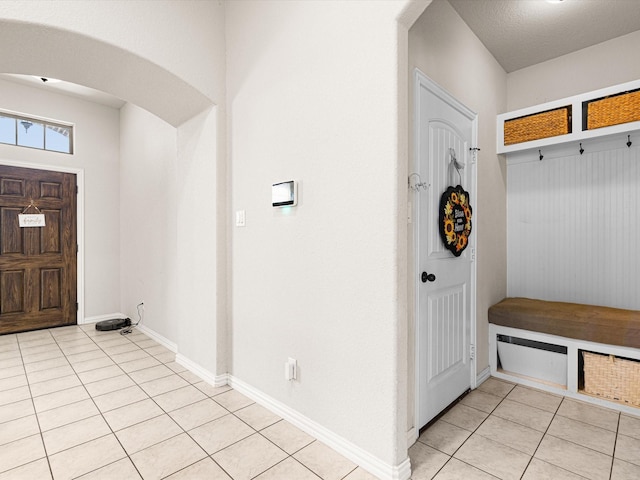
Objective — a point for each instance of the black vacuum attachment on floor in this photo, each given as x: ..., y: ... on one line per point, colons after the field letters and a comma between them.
x: 113, y: 324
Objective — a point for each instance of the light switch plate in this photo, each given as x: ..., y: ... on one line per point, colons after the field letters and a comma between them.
x: 240, y: 218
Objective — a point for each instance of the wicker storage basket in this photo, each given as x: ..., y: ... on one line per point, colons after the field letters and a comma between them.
x: 614, y: 110
x: 539, y: 125
x: 612, y: 378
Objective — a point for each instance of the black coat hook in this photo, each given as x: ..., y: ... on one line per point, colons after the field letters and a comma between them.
x: 581, y: 149
x: 629, y: 142
x: 540, y: 153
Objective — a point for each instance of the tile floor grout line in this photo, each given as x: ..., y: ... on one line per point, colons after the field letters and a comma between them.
x: 35, y: 414
x: 101, y: 413
x: 544, y: 434
x: 164, y: 413
x: 615, y: 442
x: 472, y: 432
x: 128, y: 456
x: 556, y: 414
x: 584, y: 423
x: 207, y: 455
x: 65, y: 344
x: 255, y: 431
x: 476, y: 431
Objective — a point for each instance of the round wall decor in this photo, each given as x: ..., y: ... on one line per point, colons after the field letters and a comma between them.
x: 455, y: 219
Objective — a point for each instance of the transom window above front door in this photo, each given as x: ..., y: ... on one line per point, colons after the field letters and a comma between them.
x: 24, y: 131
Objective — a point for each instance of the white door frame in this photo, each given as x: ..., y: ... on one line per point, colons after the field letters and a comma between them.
x: 79, y: 173
x: 421, y: 80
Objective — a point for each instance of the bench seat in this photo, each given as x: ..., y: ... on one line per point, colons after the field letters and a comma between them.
x: 612, y: 326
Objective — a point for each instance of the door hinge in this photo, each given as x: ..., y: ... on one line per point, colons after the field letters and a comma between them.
x: 474, y: 154
x: 472, y: 352
x: 76, y: 189
x: 77, y: 307
x: 473, y: 254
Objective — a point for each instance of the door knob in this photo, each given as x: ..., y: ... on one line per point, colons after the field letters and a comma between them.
x: 428, y: 277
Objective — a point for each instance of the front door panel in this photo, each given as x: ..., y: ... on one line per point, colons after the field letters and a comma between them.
x: 38, y: 265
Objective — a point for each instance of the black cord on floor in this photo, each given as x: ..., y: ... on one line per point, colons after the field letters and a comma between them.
x: 127, y: 330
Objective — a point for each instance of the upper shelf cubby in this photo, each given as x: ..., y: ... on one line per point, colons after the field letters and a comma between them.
x: 600, y: 113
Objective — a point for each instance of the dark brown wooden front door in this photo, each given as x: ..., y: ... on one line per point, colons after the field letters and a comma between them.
x: 38, y: 270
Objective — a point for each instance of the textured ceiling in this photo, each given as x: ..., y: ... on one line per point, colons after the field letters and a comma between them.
x: 520, y: 33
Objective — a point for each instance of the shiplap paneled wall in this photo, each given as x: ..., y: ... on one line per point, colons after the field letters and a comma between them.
x: 573, y: 226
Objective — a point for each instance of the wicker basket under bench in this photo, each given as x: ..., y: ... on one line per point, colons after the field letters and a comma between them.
x: 602, y: 345
x: 612, y: 378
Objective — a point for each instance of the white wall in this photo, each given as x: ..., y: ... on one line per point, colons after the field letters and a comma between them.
x: 148, y: 219
x: 173, y: 236
x: 574, y: 245
x: 603, y: 65
x: 443, y: 47
x: 123, y: 48
x: 312, y: 96
x: 142, y: 28
x: 201, y: 270
x: 572, y: 225
x: 168, y: 57
x: 96, y: 152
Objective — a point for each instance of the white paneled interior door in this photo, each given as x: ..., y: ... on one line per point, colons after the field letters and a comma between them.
x: 445, y: 282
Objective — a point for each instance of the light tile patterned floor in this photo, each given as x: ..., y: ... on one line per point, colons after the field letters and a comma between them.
x: 77, y: 403
x: 512, y: 432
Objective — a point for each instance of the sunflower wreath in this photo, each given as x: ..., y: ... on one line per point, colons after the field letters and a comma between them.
x: 454, y: 220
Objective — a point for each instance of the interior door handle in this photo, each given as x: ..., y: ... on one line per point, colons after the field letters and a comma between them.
x: 428, y: 277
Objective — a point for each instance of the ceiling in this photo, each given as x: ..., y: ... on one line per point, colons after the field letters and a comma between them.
x: 66, y: 88
x: 520, y: 33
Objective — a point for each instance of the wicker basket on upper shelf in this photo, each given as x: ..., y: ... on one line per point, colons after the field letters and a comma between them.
x: 537, y: 126
x: 613, y: 110
x: 612, y: 377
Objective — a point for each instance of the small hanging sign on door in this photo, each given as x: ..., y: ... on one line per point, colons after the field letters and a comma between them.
x: 455, y: 219
x: 31, y: 219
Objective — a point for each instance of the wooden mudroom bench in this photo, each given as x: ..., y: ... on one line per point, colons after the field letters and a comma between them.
x: 550, y: 338
x: 612, y: 326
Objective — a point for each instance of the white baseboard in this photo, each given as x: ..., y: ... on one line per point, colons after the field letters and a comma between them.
x: 482, y: 376
x: 354, y: 453
x: 203, y: 373
x: 99, y: 318
x: 412, y: 436
x: 158, y: 338
x: 221, y: 380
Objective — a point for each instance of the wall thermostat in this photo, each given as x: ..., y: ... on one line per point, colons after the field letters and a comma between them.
x: 284, y: 194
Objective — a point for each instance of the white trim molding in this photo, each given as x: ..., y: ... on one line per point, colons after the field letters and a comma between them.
x: 483, y: 376
x: 79, y: 173
x: 159, y: 338
x: 412, y: 436
x: 203, y: 373
x: 100, y: 318
x: 420, y: 81
x: 354, y: 453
